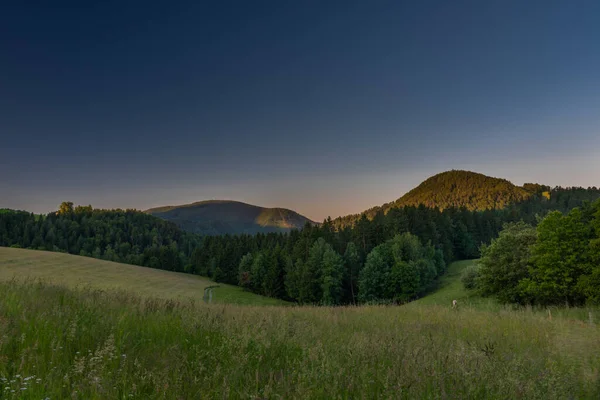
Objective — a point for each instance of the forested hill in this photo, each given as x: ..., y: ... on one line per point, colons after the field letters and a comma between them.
x: 456, y: 189
x: 477, y: 192
x: 126, y: 236
x: 219, y: 217
x: 395, y: 256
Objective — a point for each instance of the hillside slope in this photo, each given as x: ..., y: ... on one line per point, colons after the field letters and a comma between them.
x: 464, y: 189
x: 456, y: 189
x: 219, y: 217
x: 76, y: 271
x: 114, y: 346
x: 450, y: 287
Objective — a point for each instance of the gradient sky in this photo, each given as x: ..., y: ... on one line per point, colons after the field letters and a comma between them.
x: 327, y: 108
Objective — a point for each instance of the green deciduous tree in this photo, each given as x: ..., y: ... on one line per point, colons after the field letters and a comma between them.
x: 560, y: 256
x: 373, y: 278
x: 506, y: 261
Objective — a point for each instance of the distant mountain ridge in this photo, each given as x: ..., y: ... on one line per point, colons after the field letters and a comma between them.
x: 219, y: 217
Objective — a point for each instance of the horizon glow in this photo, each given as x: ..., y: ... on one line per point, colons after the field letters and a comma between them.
x: 325, y: 109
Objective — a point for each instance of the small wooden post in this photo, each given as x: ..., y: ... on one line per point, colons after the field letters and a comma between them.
x: 549, y: 315
x: 208, y: 293
x: 591, y: 319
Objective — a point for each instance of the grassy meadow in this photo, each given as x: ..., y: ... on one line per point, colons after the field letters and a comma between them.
x: 76, y: 272
x: 84, y: 343
x: 451, y: 288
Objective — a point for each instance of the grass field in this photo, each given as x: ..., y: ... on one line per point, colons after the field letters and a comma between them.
x: 75, y: 271
x: 63, y: 343
x: 451, y: 288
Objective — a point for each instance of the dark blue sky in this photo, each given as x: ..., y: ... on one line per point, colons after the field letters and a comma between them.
x: 327, y: 108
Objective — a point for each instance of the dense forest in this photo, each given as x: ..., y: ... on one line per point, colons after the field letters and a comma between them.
x: 465, y: 189
x: 126, y: 236
x: 541, y: 199
x: 392, y: 256
x: 557, y: 262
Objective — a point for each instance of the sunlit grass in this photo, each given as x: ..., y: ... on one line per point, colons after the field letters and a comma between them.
x: 451, y: 288
x: 75, y: 271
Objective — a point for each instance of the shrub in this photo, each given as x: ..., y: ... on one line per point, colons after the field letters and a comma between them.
x: 470, y: 277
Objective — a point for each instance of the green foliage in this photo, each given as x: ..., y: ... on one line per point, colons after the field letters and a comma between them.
x: 373, y: 278
x: 558, y: 263
x: 65, y: 208
x: 115, y: 235
x: 245, y: 271
x: 353, y: 265
x: 398, y: 270
x: 505, y: 262
x: 470, y: 277
x: 455, y: 189
x: 560, y: 257
x: 332, y: 277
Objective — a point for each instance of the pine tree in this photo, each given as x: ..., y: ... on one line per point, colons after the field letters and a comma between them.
x: 352, y: 261
x: 332, y: 277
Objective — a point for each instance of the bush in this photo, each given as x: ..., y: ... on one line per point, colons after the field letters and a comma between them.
x: 470, y: 277
x: 506, y: 261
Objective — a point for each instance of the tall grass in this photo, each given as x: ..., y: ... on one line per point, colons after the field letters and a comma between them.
x: 59, y: 343
x: 76, y: 271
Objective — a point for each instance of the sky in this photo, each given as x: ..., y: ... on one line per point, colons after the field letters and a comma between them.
x: 324, y: 107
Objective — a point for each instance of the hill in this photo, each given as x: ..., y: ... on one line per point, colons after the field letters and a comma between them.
x: 477, y: 192
x: 219, y: 217
x: 455, y: 189
x: 76, y: 271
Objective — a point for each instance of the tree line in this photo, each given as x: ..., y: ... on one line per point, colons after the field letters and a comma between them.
x: 126, y: 236
x: 392, y: 256
x: 557, y: 262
